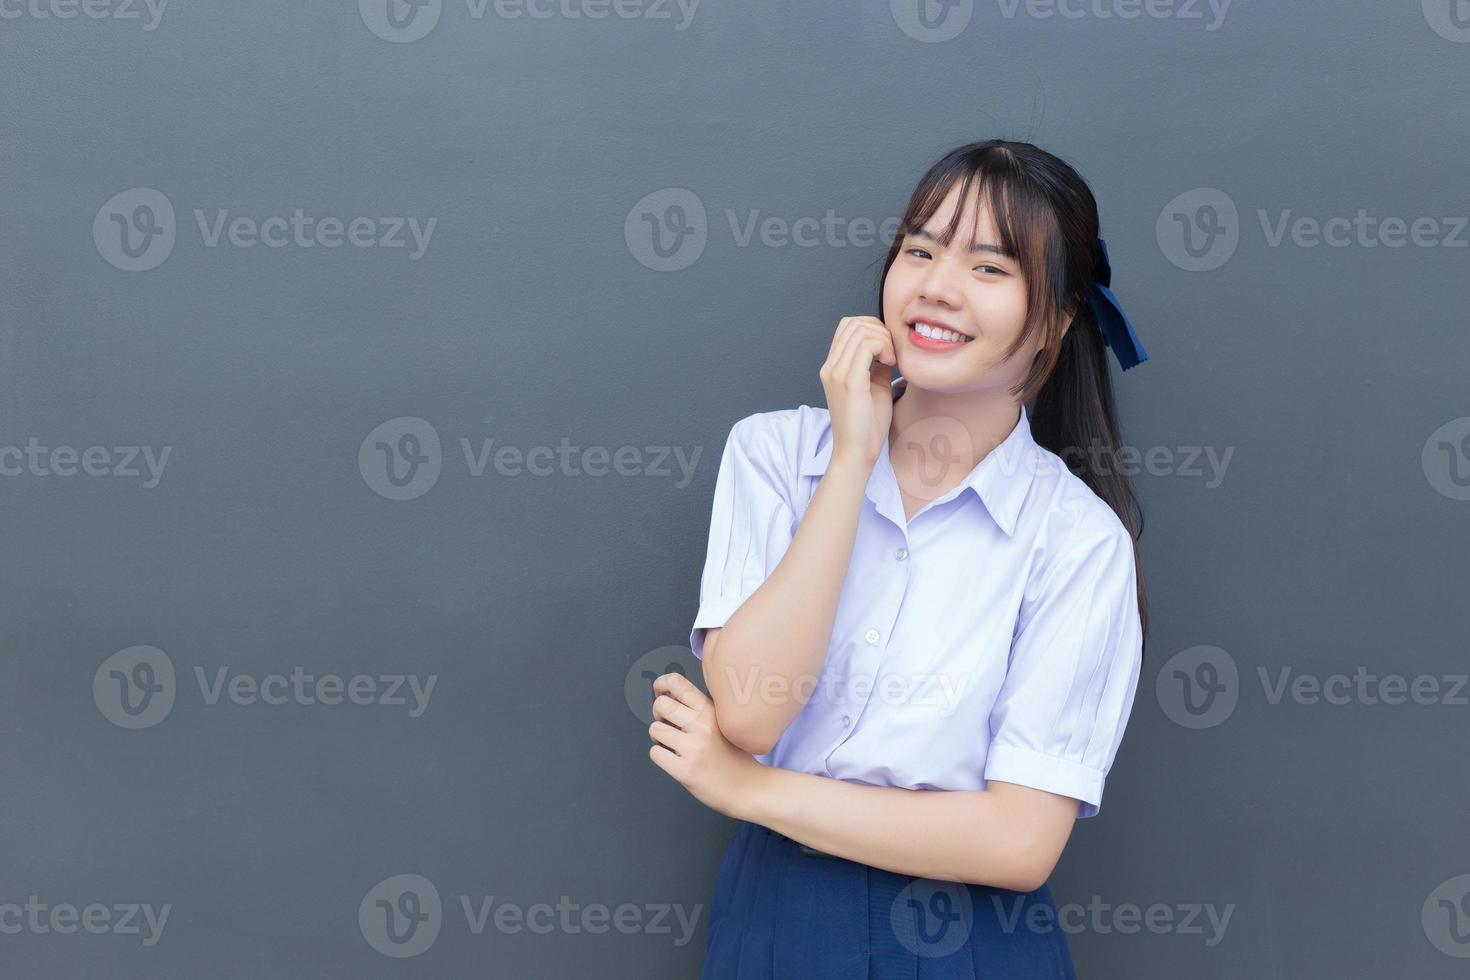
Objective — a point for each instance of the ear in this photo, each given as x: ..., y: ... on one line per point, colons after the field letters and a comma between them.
x: 1068, y: 317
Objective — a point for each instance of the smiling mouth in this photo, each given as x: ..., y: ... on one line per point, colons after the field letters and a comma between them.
x: 932, y: 336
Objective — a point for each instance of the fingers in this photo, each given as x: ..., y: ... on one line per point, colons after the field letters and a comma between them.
x: 853, y: 330
x: 676, y: 713
x: 868, y: 347
x: 668, y: 736
x: 681, y: 689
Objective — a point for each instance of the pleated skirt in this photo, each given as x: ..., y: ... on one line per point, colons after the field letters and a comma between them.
x: 784, y: 912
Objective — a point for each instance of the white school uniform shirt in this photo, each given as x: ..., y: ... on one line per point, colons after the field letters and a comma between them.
x: 996, y: 635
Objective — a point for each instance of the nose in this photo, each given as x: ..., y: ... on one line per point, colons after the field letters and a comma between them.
x: 939, y: 285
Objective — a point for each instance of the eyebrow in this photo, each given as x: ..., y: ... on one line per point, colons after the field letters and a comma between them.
x: 975, y: 247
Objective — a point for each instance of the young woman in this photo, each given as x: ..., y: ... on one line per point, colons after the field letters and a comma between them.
x: 924, y: 586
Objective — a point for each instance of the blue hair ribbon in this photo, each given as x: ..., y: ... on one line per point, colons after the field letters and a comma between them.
x: 1111, y: 320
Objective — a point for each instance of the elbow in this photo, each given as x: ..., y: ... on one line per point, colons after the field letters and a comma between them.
x: 1034, y: 865
x: 741, y: 723
x: 1029, y: 878
x: 745, y: 736
x: 1023, y: 866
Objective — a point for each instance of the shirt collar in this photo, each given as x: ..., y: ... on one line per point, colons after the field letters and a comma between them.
x: 1001, y: 480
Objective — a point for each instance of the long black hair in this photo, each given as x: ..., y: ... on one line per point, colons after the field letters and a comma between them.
x: 1047, y: 217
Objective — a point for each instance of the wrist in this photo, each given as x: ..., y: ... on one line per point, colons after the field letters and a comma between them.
x: 857, y: 467
x: 757, y: 804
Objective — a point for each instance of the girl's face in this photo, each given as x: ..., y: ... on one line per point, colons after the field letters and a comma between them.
x: 979, y: 293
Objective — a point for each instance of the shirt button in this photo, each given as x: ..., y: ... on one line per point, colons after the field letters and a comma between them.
x: 846, y: 720
x: 901, y: 554
x: 871, y: 636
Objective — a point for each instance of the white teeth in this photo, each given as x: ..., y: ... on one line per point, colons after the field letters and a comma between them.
x: 935, y: 333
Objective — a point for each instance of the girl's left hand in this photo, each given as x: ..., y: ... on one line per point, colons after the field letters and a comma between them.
x: 688, y: 745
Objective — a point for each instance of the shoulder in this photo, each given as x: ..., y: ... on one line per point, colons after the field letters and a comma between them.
x: 1071, y: 520
x: 782, y: 438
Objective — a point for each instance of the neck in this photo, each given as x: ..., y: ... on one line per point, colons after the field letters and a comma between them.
x: 988, y: 416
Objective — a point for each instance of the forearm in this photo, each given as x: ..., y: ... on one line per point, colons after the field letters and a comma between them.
x: 772, y: 649
x: 967, y: 836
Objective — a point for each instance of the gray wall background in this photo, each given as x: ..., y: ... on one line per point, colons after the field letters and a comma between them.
x: 1328, y: 379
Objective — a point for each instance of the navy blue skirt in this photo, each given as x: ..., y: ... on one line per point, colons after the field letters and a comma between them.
x: 783, y: 911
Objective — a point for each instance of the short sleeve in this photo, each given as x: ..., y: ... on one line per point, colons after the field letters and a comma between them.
x: 751, y: 521
x: 1059, y: 717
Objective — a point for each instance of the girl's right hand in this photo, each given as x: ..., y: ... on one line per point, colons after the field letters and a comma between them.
x: 858, y: 381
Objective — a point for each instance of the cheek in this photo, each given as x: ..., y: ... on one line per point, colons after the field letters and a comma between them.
x: 1004, y: 310
x: 899, y: 291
